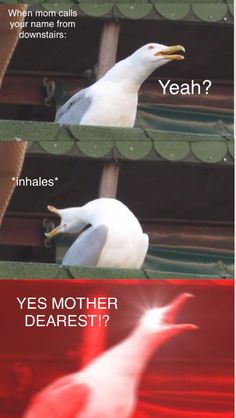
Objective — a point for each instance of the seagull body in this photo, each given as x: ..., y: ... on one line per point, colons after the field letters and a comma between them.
x: 114, y: 239
x: 113, y: 99
x: 107, y: 387
x: 114, y: 108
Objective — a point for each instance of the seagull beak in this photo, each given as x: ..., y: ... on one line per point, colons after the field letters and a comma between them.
x: 56, y: 230
x: 53, y: 233
x: 169, y: 53
x: 53, y: 209
x: 175, y: 306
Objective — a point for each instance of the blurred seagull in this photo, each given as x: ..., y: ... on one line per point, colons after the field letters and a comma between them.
x: 114, y: 239
x: 113, y: 99
x: 107, y: 387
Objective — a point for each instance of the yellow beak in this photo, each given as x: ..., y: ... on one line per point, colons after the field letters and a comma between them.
x: 53, y: 233
x: 53, y: 209
x: 56, y: 230
x: 169, y: 53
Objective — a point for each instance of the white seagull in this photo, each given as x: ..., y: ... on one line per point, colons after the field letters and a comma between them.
x: 113, y: 99
x: 107, y: 387
x: 114, y: 239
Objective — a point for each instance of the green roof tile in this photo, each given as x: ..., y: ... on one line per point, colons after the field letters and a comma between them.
x: 135, y: 11
x: 173, y: 11
x: 56, y: 148
x: 93, y: 149
x: 95, y: 9
x: 134, y: 150
x: 210, y: 11
x: 211, y: 152
x: 172, y: 150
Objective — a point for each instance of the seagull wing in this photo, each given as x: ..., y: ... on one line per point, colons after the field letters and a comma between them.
x: 75, y: 108
x: 66, y: 401
x: 87, y: 248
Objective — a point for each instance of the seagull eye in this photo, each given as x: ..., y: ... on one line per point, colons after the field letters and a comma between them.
x: 151, y: 47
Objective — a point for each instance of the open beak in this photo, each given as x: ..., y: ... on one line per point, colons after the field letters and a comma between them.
x: 164, y: 317
x: 170, y: 53
x: 56, y: 230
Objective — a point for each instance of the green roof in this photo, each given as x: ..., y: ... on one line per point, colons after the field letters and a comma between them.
x: 18, y: 270
x: 188, y: 10
x: 119, y: 143
x: 160, y: 263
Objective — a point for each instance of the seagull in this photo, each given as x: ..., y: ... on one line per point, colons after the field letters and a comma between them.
x: 107, y: 387
x: 114, y: 239
x: 113, y: 99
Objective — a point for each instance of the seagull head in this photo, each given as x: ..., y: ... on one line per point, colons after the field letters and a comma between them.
x: 155, y: 55
x: 71, y: 222
x: 161, y: 320
x: 133, y: 70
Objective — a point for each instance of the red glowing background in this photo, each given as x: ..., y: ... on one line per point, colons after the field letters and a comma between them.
x: 191, y: 376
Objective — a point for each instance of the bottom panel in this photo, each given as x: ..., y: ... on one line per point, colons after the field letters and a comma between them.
x: 116, y: 349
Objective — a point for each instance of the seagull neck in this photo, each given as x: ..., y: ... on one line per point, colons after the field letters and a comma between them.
x: 130, y: 73
x: 135, y: 351
x: 85, y: 215
x: 139, y: 73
